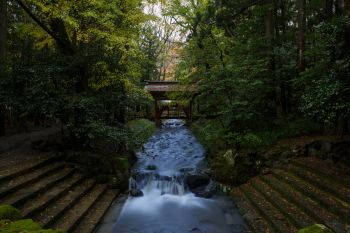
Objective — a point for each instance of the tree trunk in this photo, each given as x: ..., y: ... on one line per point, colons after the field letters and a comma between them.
x: 270, y: 36
x: 301, y: 34
x: 328, y: 9
x: 343, y: 7
x: 3, y: 35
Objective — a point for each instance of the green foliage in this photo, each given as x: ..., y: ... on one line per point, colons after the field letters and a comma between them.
x: 8, y: 212
x: 23, y: 226
x: 326, y: 82
x: 215, y: 137
x: 142, y: 129
x: 10, y: 222
x: 90, y: 82
x: 246, y: 69
x: 26, y: 225
x: 210, y: 133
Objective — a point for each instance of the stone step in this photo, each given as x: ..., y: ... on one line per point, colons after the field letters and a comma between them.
x: 272, y: 215
x: 34, y: 189
x: 323, y: 169
x: 70, y: 220
x: 97, y: 212
x: 318, y: 213
x: 330, y: 186
x: 324, y: 199
x: 58, y: 208
x: 13, y: 185
x: 249, y: 213
x: 28, y: 166
x: 34, y: 206
x: 291, y: 212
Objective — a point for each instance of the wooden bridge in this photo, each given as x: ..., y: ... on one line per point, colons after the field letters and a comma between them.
x: 161, y: 91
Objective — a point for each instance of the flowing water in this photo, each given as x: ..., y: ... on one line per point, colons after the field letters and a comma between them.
x: 167, y: 206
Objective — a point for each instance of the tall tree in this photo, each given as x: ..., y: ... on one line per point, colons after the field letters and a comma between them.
x: 301, y: 34
x: 3, y: 34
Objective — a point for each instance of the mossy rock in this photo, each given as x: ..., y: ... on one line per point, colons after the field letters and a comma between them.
x: 10, y: 213
x: 21, y: 226
x: 317, y: 228
x: 151, y: 167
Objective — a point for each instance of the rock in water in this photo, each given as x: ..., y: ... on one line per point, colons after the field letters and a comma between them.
x: 195, y: 181
x: 136, y: 193
x: 206, y: 191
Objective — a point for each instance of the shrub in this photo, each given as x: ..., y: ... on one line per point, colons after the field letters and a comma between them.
x: 142, y: 129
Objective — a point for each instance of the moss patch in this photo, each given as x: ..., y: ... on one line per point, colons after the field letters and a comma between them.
x: 10, y: 213
x: 26, y: 225
x: 317, y: 228
x: 142, y: 129
x: 151, y: 167
x: 23, y: 226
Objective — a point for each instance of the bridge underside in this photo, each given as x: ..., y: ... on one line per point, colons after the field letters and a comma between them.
x: 161, y: 92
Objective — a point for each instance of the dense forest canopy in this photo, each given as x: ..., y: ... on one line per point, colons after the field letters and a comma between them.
x: 259, y: 65
x: 262, y: 65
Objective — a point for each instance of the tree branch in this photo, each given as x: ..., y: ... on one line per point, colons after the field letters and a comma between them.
x: 58, y: 40
x: 248, y: 5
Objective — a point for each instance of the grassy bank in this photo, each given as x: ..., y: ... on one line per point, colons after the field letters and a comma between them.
x: 142, y: 130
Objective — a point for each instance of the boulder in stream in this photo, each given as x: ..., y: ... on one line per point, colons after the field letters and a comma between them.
x: 136, y: 193
x: 207, y: 191
x: 196, y: 181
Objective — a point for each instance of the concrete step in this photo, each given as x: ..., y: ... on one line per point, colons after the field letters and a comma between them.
x: 34, y: 189
x: 53, y: 194
x: 324, y: 170
x: 323, y: 198
x: 13, y: 185
x: 28, y: 166
x: 251, y: 214
x: 70, y: 220
x: 57, y: 209
x: 328, y: 185
x: 318, y: 213
x: 291, y: 212
x: 97, y: 212
x: 35, y: 206
x: 272, y: 215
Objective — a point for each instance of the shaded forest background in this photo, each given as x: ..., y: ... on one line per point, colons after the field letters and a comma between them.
x: 265, y: 69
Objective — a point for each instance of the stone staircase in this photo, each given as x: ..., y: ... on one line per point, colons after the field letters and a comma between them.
x: 305, y: 192
x: 55, y: 195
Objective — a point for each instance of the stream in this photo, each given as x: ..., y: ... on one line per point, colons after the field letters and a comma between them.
x: 166, y: 204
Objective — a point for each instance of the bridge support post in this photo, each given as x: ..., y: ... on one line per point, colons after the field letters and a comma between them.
x: 157, y: 114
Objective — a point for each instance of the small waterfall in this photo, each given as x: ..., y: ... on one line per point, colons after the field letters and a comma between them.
x: 160, y: 200
x: 164, y: 184
x: 165, y: 187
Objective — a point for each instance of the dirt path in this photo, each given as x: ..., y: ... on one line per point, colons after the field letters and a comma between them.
x: 15, y: 149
